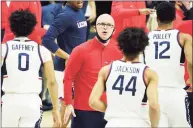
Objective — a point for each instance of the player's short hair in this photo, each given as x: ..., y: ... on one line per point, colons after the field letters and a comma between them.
x: 166, y: 12
x: 22, y: 22
x: 132, y: 41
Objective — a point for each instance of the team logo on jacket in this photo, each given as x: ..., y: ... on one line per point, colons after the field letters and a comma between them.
x: 81, y: 24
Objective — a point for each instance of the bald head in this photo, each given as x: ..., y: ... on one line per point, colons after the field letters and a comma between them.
x: 105, y: 27
x: 105, y: 18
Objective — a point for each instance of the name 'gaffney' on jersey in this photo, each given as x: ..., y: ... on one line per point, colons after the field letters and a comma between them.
x: 127, y: 69
x: 22, y: 47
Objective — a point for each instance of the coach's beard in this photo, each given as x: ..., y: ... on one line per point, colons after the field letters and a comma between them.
x: 101, y: 40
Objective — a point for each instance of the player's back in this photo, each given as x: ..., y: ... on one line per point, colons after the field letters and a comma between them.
x: 163, y: 55
x: 23, y: 62
x: 125, y: 89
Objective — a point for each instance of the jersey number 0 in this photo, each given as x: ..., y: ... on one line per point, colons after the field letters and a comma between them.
x: 23, y: 59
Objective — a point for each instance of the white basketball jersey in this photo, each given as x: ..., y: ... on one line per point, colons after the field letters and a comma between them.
x: 163, y: 55
x: 23, y: 59
x: 125, y: 89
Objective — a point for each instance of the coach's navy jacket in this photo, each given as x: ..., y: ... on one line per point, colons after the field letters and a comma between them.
x: 69, y: 27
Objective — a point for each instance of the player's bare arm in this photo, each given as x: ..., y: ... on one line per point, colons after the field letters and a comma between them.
x: 53, y: 90
x: 93, y: 10
x: 98, y: 90
x: 186, y: 41
x: 62, y: 112
x: 151, y: 79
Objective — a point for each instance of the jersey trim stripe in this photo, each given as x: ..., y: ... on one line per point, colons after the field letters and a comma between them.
x: 3, y: 68
x: 144, y: 57
x: 135, y: 62
x: 131, y: 62
x: 187, y: 104
x: 40, y: 54
x: 178, y: 39
x: 164, y: 30
x: 20, y: 40
x: 187, y: 87
x: 144, y: 75
x: 5, y: 76
x: 109, y: 71
x: 7, y: 49
x: 182, y: 64
x: 108, y: 75
x: 144, y: 103
x: 144, y: 100
x: 122, y: 61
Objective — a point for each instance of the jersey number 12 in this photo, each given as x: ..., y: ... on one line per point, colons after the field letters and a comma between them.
x: 23, y: 64
x: 161, y: 55
x: 119, y: 87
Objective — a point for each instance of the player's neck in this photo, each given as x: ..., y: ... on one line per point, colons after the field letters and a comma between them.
x: 126, y: 59
x: 21, y: 37
x: 165, y: 26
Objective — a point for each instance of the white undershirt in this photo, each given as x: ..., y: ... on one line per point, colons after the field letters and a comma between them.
x: 8, y: 2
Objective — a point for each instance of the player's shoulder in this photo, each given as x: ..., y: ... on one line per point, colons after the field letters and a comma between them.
x: 149, y: 72
x: 43, y: 49
x: 3, y: 46
x: 105, y: 71
x: 184, y: 36
x: 9, y: 42
x: 106, y: 67
x: 149, y: 34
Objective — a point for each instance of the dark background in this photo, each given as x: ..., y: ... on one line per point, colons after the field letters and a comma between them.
x: 101, y: 6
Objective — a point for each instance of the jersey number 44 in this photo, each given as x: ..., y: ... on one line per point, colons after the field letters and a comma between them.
x: 118, y: 85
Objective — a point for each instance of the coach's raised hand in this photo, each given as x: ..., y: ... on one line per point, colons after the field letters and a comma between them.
x: 146, y: 11
x: 69, y: 110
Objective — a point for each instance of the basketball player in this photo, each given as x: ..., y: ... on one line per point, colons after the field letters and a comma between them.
x: 125, y: 82
x: 163, y: 55
x: 23, y: 59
